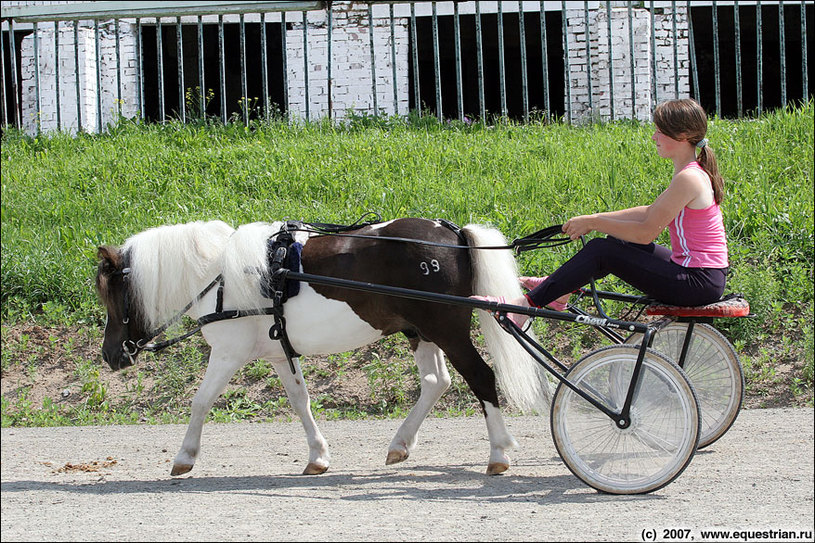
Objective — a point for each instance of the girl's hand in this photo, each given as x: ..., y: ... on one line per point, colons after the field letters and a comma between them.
x: 578, y: 226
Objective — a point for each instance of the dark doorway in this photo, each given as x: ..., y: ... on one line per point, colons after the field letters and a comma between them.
x: 770, y: 84
x: 212, y: 78
x: 491, y: 74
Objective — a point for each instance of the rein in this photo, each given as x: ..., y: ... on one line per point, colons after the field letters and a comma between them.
x: 544, y: 238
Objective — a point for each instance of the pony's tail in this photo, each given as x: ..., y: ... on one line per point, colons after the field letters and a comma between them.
x: 495, y: 273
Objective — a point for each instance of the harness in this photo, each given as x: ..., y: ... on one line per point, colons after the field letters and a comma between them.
x: 283, y: 254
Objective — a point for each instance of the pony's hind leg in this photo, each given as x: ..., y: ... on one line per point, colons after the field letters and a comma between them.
x: 295, y: 385
x: 434, y: 381
x: 481, y: 380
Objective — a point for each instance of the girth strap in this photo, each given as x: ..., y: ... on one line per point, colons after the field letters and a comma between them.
x: 279, y: 248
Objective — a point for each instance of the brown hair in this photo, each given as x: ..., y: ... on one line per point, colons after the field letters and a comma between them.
x: 685, y: 120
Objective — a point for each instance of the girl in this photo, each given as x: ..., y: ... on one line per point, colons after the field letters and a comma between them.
x: 693, y: 271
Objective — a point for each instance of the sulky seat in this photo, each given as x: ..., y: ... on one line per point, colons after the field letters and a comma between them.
x: 732, y: 305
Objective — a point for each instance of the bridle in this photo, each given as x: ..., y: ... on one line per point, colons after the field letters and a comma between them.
x: 132, y: 348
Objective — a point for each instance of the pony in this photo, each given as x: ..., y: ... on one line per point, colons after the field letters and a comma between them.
x: 170, y: 270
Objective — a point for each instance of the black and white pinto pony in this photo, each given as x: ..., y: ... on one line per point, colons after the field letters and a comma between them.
x: 158, y: 272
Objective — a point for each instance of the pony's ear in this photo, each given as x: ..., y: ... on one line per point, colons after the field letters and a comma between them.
x: 109, y: 259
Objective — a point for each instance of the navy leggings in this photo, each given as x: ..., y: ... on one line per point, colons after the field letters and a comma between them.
x: 648, y: 268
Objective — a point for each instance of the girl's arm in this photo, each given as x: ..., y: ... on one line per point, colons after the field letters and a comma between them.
x: 644, y: 223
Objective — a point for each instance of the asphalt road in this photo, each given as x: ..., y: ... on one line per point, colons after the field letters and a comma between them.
x: 113, y: 483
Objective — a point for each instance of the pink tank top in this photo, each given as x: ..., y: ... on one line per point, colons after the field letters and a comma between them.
x: 697, y: 236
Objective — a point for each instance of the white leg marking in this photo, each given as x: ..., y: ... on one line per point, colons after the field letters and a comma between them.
x: 434, y: 381
x: 500, y: 440
x: 219, y: 371
x: 295, y: 385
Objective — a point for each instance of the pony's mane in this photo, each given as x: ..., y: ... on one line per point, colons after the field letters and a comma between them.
x: 170, y: 265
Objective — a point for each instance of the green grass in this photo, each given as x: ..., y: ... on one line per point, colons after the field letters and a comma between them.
x: 64, y: 196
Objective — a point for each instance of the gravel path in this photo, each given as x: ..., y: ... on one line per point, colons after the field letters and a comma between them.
x: 113, y: 483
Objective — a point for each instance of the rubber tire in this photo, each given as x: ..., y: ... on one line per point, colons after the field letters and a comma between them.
x: 713, y: 368
x: 664, y: 430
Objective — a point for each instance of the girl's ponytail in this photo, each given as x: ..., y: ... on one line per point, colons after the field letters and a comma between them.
x: 707, y: 160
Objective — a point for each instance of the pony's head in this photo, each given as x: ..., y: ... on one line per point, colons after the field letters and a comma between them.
x: 150, y: 278
x: 125, y: 326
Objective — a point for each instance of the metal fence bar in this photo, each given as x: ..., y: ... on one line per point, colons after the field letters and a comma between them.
x: 692, y: 54
x: 610, y: 61
x: 264, y: 67
x: 76, y: 65
x: 118, y: 68
x: 566, y: 68
x: 3, y: 81
x: 437, y: 63
x: 140, y: 69
x: 631, y: 58
x: 305, y: 65
x: 179, y: 44
x: 414, y: 45
x: 759, y: 57
x: 782, y: 46
x: 457, y: 37
x: 14, y: 78
x: 38, y: 110
x: 479, y: 45
x: 544, y: 61
x: 160, y: 60
x: 373, y: 58
x: 588, y: 53
x: 247, y: 105
x: 98, y: 52
x: 393, y: 60
x: 654, y: 55
x: 222, y: 67
x: 716, y: 61
x: 285, y: 55
x: 524, y: 76
x: 737, y: 30
x: 202, y: 90
x: 330, y: 61
x: 501, y: 68
x: 804, y: 60
x: 56, y: 78
x: 676, y: 49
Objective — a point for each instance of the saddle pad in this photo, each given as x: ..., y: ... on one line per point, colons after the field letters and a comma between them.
x: 732, y: 305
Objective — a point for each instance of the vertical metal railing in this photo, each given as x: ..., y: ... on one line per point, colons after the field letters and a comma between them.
x: 459, y: 85
x: 437, y: 62
x: 373, y: 59
x: 426, y: 41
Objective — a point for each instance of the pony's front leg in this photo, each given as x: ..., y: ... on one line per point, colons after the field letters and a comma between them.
x: 220, y: 370
x: 434, y: 381
x: 295, y: 385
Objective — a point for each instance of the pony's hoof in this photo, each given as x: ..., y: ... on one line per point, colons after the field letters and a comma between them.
x: 497, y: 468
x: 314, y: 469
x: 180, y: 469
x: 394, y: 457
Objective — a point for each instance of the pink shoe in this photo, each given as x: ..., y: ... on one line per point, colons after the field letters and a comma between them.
x: 532, y: 282
x: 517, y: 318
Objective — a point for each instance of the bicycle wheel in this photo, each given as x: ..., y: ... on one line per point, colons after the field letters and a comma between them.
x: 663, y: 434
x: 713, y: 368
